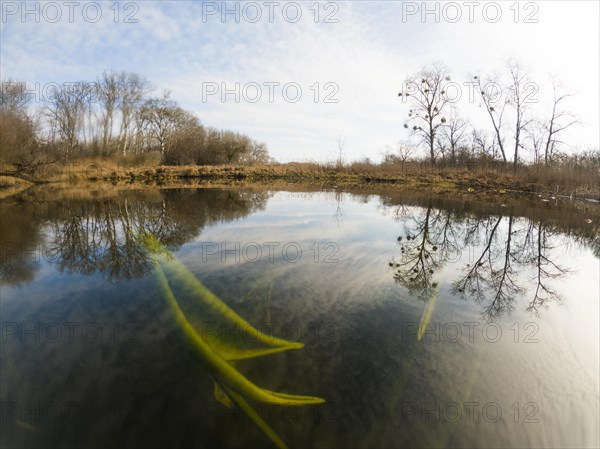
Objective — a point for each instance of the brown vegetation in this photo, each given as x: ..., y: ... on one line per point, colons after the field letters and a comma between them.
x: 546, y: 181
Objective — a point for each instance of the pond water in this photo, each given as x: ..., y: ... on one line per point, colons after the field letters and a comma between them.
x: 129, y: 319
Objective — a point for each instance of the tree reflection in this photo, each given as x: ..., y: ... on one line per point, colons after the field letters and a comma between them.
x: 19, y: 238
x: 492, y: 279
x: 507, y: 256
x: 104, y: 238
x: 417, y: 265
x: 429, y: 240
x: 546, y: 269
x: 104, y: 235
x: 338, y: 215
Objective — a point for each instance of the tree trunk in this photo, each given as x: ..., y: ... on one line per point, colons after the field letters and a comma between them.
x: 431, y: 143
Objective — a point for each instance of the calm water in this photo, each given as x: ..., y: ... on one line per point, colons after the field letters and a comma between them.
x: 426, y: 321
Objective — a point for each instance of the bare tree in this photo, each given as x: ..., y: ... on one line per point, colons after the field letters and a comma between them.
x: 536, y: 135
x: 133, y: 90
x: 495, y: 104
x: 402, y: 152
x: 559, y: 121
x: 66, y: 108
x: 454, y: 133
x: 19, y: 133
x: 161, y: 117
x: 186, y: 141
x: 13, y: 97
x: 120, y: 95
x: 108, y: 92
x: 234, y: 146
x: 482, y: 146
x: 427, y: 90
x: 258, y: 153
x: 341, y: 143
x: 519, y: 96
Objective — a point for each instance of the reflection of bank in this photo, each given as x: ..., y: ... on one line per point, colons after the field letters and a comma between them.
x: 98, y: 232
x: 218, y: 350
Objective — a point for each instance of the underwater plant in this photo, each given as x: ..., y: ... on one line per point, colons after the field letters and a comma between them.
x: 177, y: 283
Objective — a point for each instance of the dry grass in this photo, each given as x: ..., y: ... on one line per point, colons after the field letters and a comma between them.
x: 9, y: 181
x: 541, y: 180
x: 10, y: 186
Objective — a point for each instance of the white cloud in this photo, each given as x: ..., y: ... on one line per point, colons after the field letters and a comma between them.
x: 367, y: 54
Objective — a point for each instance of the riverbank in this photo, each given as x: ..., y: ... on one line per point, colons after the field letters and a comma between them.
x: 476, y: 181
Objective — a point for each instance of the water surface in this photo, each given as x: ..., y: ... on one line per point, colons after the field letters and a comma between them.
x: 427, y: 321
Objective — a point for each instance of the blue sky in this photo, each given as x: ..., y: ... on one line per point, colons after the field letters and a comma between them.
x: 364, y: 52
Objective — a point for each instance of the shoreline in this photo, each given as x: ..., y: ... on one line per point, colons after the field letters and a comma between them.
x: 476, y: 182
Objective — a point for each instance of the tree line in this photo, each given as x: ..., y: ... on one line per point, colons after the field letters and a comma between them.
x: 116, y: 116
x: 515, y: 131
x: 119, y: 116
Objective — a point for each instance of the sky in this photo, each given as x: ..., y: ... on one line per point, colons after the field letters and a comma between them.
x: 303, y: 76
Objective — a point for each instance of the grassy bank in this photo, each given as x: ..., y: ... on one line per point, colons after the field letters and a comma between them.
x: 10, y: 185
x: 497, y: 180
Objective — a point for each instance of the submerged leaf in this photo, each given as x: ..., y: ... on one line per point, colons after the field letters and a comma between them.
x: 223, y: 371
x: 222, y: 397
x: 249, y: 410
x: 211, y: 350
x: 427, y: 314
x: 227, y: 333
x: 153, y: 245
